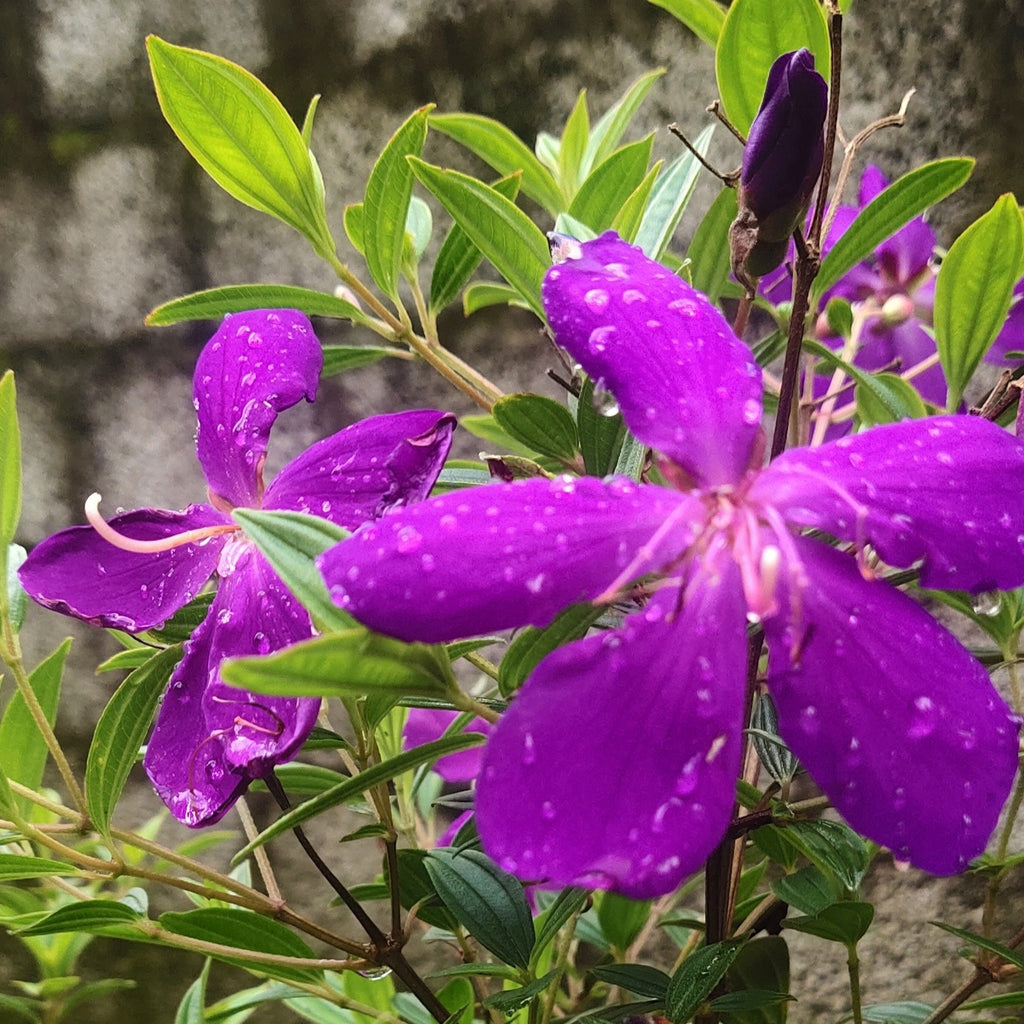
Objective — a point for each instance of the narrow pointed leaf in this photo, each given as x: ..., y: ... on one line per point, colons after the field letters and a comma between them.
x: 408, y: 760
x: 887, y: 398
x: 831, y: 846
x: 709, y: 251
x: 241, y: 135
x: 573, y: 145
x: 568, y: 902
x: 213, y: 303
x: 669, y: 197
x: 10, y: 475
x: 974, y: 290
x: 762, y: 965
x: 640, y: 979
x: 499, y: 147
x: 600, y: 435
x: 23, y: 751
x: 350, y: 663
x: 483, y: 294
x: 91, y: 916
x: 458, y: 257
x: 514, y: 999
x: 495, y: 225
x: 340, y: 358
x: 621, y: 918
x: 15, y: 868
x: 704, y: 18
x: 631, y: 214
x: 906, y: 198
x: 612, y: 124
x: 1011, y: 956
x: 489, y: 902
x: 120, y: 733
x: 602, y: 195
x: 696, y: 978
x: 16, y: 596
x: 753, y: 35
x: 290, y: 541
x: 386, y: 203
x: 542, y: 424
x: 192, y: 1008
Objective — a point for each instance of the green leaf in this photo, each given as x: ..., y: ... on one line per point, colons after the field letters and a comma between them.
x: 130, y: 659
x: 345, y: 791
x: 91, y: 916
x: 569, y: 901
x: 704, y: 18
x: 627, y: 221
x: 904, y: 199
x: 192, y: 1008
x: 974, y: 290
x: 10, y: 476
x: 214, y: 303
x: 753, y: 34
x: 120, y: 732
x: 762, y: 966
x: 839, y: 314
x: 531, y: 644
x: 353, y: 219
x: 350, y: 663
x: 487, y: 429
x: 386, y: 203
x: 605, y: 191
x: 600, y: 435
x: 290, y: 541
x: 419, y: 224
x: 669, y: 197
x: 776, y: 757
x: 339, y: 358
x: 748, y: 1001
x: 241, y: 135
x: 905, y: 1012
x: 23, y: 750
x: 514, y: 999
x: 495, y: 225
x: 415, y: 885
x: 612, y: 124
x: 809, y: 890
x: 572, y: 146
x: 15, y: 868
x: 16, y: 596
x: 709, y: 251
x: 640, y: 979
x: 485, y: 293
x: 887, y: 399
x: 621, y: 918
x: 696, y: 978
x: 499, y: 147
x: 458, y: 257
x: 488, y: 902
x: 840, y: 922
x: 540, y: 423
x: 832, y: 846
x: 1011, y: 956
x: 247, y: 932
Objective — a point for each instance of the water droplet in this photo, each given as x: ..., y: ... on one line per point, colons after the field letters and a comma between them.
x: 654, y: 613
x: 605, y: 403
x: 751, y: 411
x: 688, y: 778
x: 214, y: 770
x: 631, y: 295
x: 535, y: 584
x: 375, y: 973
x: 596, y: 299
x: 685, y: 306
x: 945, y: 458
x: 409, y: 540
x: 547, y: 810
x: 600, y: 338
x: 427, y: 563
x: 809, y: 720
x: 224, y: 616
x: 529, y: 751
x: 261, y: 643
x: 923, y: 719
x: 987, y: 603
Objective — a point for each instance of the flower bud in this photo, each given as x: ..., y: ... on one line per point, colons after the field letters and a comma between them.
x: 781, y: 163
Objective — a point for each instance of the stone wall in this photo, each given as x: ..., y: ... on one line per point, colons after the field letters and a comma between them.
x: 103, y: 215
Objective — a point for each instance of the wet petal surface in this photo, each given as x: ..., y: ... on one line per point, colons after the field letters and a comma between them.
x: 900, y: 727
x: 424, y: 725
x: 503, y: 555
x: 258, y: 364
x: 685, y: 384
x: 945, y: 491
x: 78, y: 572
x: 567, y: 796
x: 360, y: 472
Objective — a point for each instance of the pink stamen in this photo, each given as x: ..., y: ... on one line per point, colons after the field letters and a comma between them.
x: 119, y: 540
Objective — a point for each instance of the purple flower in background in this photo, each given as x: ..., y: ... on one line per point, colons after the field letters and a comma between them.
x: 211, y: 740
x: 781, y: 164
x: 616, y: 763
x: 424, y: 725
x: 1011, y: 337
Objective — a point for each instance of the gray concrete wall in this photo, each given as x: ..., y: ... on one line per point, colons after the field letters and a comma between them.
x: 103, y: 215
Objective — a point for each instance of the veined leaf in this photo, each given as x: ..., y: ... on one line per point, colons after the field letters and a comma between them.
x: 541, y: 423
x: 696, y: 978
x: 904, y: 199
x: 709, y: 251
x: 213, y: 303
x: 386, y: 203
x: 503, y: 150
x: 753, y: 35
x: 974, y: 290
x: 572, y: 146
x: 611, y: 125
x: 495, y: 225
x: 704, y: 18
x: 10, y: 475
x: 241, y: 135
x: 15, y: 868
x: 605, y: 191
x: 339, y: 358
x: 627, y: 221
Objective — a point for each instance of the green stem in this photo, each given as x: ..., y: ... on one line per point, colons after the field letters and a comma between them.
x: 853, y: 967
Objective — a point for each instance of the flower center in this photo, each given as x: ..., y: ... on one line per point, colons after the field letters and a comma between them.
x: 119, y: 540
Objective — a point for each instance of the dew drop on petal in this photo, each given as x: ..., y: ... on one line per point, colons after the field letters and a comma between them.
x: 596, y: 299
x: 529, y: 751
x: 631, y: 295
x: 409, y: 540
x: 427, y: 563
x: 600, y: 338
x: 751, y: 411
x: 547, y: 810
x: 923, y: 719
x: 809, y: 721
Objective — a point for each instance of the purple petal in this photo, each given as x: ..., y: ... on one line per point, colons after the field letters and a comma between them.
x: 211, y: 740
x: 945, y: 491
x: 504, y: 555
x: 424, y: 725
x: 686, y: 384
x: 616, y: 765
x: 363, y: 470
x: 78, y: 572
x: 1011, y: 337
x: 894, y: 719
x: 872, y: 183
x: 258, y: 364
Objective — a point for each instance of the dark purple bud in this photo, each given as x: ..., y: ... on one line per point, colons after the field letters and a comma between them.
x: 781, y: 163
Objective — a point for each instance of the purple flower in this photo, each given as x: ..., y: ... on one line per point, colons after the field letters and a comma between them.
x: 424, y: 725
x: 781, y: 164
x: 616, y: 764
x: 211, y: 740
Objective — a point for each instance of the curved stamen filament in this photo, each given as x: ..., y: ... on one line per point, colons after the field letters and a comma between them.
x: 119, y: 540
